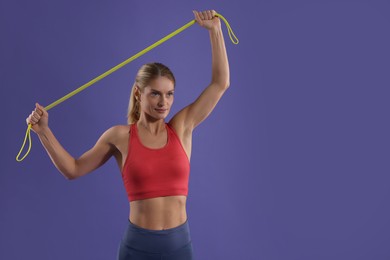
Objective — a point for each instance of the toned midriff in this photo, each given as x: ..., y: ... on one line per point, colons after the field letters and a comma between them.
x: 159, y: 213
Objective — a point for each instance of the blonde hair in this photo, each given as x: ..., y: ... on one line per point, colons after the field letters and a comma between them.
x: 145, y: 75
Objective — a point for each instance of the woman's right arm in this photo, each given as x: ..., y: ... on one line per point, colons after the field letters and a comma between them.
x: 70, y: 167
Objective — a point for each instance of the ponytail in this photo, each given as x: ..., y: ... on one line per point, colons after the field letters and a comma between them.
x: 133, y: 111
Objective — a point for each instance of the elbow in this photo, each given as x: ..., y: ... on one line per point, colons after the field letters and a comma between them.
x: 72, y: 175
x: 69, y: 176
x: 225, y: 85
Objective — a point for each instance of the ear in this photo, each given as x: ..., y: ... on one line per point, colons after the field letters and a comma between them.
x: 137, y: 93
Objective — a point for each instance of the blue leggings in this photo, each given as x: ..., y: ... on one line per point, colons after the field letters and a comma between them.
x: 145, y: 244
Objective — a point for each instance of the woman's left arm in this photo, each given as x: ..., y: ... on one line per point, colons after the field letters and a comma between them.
x: 199, y: 110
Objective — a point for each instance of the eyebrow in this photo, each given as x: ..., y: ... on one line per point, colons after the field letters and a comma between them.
x: 154, y: 90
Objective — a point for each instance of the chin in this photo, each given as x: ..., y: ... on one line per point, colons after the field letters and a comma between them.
x: 160, y: 116
x: 163, y: 116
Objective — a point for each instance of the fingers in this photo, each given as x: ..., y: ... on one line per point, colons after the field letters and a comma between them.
x: 36, y: 114
x: 33, y: 118
x: 208, y: 15
x: 205, y: 15
x: 197, y: 17
x: 39, y: 108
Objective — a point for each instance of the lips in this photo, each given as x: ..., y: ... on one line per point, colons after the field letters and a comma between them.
x: 161, y: 110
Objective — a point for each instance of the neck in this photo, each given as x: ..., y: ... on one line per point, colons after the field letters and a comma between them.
x: 152, y: 126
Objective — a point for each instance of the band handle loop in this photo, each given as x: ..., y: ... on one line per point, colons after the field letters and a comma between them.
x: 74, y: 92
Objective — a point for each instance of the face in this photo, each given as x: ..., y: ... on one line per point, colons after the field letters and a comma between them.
x: 157, y: 98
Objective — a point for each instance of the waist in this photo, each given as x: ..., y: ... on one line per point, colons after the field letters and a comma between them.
x: 158, y: 213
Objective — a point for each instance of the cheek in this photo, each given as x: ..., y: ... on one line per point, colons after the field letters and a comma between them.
x: 146, y: 103
x: 150, y: 101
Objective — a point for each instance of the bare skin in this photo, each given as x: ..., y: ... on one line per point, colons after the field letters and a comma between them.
x: 155, y: 100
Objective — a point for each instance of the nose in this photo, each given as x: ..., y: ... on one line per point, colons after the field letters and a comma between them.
x: 162, y: 101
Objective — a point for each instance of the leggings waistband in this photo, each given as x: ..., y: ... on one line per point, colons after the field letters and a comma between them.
x: 157, y: 241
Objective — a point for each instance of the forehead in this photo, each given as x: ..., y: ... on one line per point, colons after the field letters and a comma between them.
x: 162, y: 84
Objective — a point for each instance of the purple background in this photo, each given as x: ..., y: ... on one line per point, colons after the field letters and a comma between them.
x: 292, y: 164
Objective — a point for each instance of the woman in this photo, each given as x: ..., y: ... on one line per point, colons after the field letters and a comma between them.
x: 153, y: 156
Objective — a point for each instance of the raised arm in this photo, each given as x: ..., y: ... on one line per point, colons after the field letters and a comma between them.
x: 70, y: 167
x: 192, y: 115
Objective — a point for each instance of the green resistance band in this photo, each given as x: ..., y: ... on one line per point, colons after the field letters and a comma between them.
x: 74, y: 92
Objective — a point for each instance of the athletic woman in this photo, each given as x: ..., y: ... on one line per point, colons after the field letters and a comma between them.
x: 152, y: 155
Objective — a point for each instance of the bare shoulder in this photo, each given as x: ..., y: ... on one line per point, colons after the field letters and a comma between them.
x: 116, y: 133
x: 119, y: 129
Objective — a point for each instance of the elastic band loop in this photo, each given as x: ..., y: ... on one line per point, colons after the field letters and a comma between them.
x: 105, y: 74
x: 230, y: 31
x: 24, y: 142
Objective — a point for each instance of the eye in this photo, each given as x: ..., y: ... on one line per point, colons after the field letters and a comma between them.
x: 170, y: 94
x: 155, y: 94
